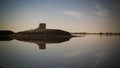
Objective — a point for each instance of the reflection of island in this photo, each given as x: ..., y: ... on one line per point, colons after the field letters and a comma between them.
x: 42, y: 41
x: 4, y: 35
x: 5, y: 38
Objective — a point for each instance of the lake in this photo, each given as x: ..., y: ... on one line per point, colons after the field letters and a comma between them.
x: 90, y: 51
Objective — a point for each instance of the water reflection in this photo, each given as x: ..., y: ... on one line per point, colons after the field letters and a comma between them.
x: 40, y: 41
x: 86, y: 51
x: 5, y: 38
x: 98, y: 34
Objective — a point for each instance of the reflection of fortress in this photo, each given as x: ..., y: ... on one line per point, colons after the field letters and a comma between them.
x: 42, y: 45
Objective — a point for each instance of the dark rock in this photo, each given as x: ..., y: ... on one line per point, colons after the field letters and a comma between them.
x: 6, y: 32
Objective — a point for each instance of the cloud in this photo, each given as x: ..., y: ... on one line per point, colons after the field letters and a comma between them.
x: 101, y: 12
x: 72, y: 13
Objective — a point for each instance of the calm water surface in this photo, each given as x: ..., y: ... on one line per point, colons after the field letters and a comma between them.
x: 91, y: 51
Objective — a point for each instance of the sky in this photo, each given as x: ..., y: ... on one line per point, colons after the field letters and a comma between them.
x: 68, y: 15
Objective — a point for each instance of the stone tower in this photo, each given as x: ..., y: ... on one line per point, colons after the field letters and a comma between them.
x: 42, y: 26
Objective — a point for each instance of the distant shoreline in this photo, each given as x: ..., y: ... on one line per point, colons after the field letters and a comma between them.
x: 96, y: 33
x: 101, y: 34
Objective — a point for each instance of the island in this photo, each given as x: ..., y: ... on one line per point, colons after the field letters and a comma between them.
x: 42, y: 32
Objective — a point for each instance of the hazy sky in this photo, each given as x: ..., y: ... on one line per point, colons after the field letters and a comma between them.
x: 69, y: 15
